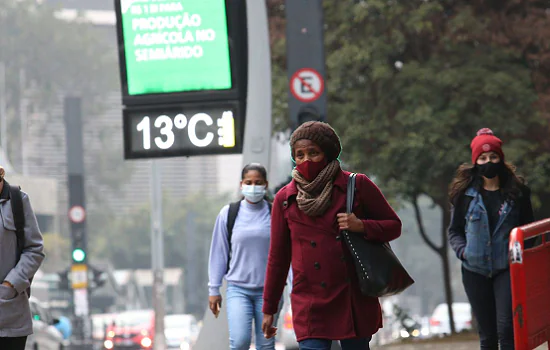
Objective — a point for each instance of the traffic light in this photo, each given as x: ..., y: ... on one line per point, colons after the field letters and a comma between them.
x: 79, y: 255
x: 99, y: 277
x: 306, y: 114
x: 63, y: 283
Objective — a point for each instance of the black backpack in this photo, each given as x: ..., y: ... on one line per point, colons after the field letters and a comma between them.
x: 231, y: 217
x: 16, y: 199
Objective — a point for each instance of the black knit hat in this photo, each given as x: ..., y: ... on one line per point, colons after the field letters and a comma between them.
x: 320, y: 133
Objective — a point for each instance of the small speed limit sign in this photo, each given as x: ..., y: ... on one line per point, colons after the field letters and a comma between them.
x: 77, y: 214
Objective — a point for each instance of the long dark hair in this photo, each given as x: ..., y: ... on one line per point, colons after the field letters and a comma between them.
x: 467, y: 176
x: 263, y: 172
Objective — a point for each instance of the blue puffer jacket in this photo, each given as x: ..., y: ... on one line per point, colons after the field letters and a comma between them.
x: 480, y: 250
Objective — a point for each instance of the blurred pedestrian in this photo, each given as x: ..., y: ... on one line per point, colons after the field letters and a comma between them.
x: 309, y: 215
x: 240, y: 245
x: 21, y: 254
x: 488, y: 200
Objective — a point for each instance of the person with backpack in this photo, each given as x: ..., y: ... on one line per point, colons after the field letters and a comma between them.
x: 488, y: 200
x: 239, y: 249
x: 307, y: 231
x: 21, y: 254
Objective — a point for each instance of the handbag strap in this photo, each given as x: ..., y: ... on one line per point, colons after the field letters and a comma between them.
x: 350, y: 193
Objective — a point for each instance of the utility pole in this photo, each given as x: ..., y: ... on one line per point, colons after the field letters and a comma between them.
x: 157, y: 255
x: 3, y: 111
x: 306, y: 61
x: 23, y: 119
x: 306, y: 65
x: 77, y: 217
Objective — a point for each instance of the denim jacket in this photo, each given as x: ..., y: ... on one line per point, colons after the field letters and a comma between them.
x: 483, y: 251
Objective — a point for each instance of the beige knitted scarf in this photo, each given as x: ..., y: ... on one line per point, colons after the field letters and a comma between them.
x: 314, y: 197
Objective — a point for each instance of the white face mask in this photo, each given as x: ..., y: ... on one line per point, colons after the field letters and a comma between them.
x: 253, y: 193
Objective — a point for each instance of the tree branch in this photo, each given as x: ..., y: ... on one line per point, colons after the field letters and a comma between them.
x: 420, y: 224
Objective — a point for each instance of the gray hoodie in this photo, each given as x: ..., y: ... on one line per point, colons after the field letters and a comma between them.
x: 15, y: 315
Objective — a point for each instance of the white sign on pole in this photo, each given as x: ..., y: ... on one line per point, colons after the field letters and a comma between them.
x: 81, y: 302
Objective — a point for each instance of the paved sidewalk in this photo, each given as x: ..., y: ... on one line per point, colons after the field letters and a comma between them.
x: 436, y: 346
x: 470, y: 345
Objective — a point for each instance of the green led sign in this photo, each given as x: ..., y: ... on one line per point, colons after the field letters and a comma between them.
x: 175, y: 46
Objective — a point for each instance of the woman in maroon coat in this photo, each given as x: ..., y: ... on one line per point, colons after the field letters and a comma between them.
x: 308, y: 217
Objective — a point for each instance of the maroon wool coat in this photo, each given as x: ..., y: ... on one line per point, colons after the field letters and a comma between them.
x: 326, y: 300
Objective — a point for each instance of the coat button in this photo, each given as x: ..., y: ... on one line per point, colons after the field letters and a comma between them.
x: 323, y: 285
x: 313, y: 244
x: 339, y: 238
x: 285, y: 204
x: 343, y: 258
x: 317, y: 266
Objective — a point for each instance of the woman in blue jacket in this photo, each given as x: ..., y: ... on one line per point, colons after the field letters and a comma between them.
x: 241, y: 257
x: 489, y: 200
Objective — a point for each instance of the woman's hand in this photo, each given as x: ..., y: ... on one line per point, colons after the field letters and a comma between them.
x: 215, y: 304
x: 350, y: 222
x: 267, y: 327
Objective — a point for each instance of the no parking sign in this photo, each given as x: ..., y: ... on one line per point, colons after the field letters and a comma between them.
x: 307, y: 85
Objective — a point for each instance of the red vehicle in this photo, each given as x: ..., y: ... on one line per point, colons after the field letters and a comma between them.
x: 131, y: 330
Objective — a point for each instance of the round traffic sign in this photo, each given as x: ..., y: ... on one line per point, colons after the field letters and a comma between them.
x: 77, y: 214
x: 307, y: 85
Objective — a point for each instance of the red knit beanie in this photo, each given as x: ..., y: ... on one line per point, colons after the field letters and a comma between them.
x: 485, y: 141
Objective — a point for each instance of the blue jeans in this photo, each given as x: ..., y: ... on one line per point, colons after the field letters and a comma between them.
x: 243, y: 306
x: 347, y: 344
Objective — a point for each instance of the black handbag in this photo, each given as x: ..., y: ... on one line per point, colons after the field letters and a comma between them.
x: 378, y: 268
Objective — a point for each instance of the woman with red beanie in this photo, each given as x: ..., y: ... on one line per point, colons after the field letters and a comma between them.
x: 308, y: 217
x: 489, y: 200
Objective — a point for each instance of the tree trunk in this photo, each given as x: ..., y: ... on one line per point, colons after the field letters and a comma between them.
x: 445, y: 222
x: 448, y: 288
x: 441, y: 251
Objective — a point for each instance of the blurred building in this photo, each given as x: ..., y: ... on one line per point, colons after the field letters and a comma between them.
x: 43, y: 192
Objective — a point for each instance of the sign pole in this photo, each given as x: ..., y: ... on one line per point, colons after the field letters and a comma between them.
x: 157, y: 255
x: 77, y: 216
x: 306, y: 61
x: 306, y: 65
x: 3, y: 111
x: 257, y: 133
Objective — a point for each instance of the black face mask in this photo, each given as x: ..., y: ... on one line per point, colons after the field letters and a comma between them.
x: 490, y: 169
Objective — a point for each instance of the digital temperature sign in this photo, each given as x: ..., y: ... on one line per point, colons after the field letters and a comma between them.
x: 182, y: 130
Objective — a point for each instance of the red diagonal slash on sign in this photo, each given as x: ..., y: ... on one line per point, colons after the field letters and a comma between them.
x: 308, y: 85
x: 304, y: 96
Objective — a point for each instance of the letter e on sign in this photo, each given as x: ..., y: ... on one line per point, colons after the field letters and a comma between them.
x: 77, y: 214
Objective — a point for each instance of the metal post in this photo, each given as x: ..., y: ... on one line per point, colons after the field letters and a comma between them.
x: 157, y: 255
x: 305, y: 61
x: 3, y: 115
x: 257, y: 133
x: 77, y: 203
x: 23, y: 118
x: 257, y: 141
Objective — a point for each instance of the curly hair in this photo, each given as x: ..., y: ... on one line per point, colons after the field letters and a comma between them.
x: 467, y: 176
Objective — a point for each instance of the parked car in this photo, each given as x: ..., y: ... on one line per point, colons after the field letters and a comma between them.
x: 131, y: 330
x: 181, y: 331
x: 439, y: 322
x: 45, y: 335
